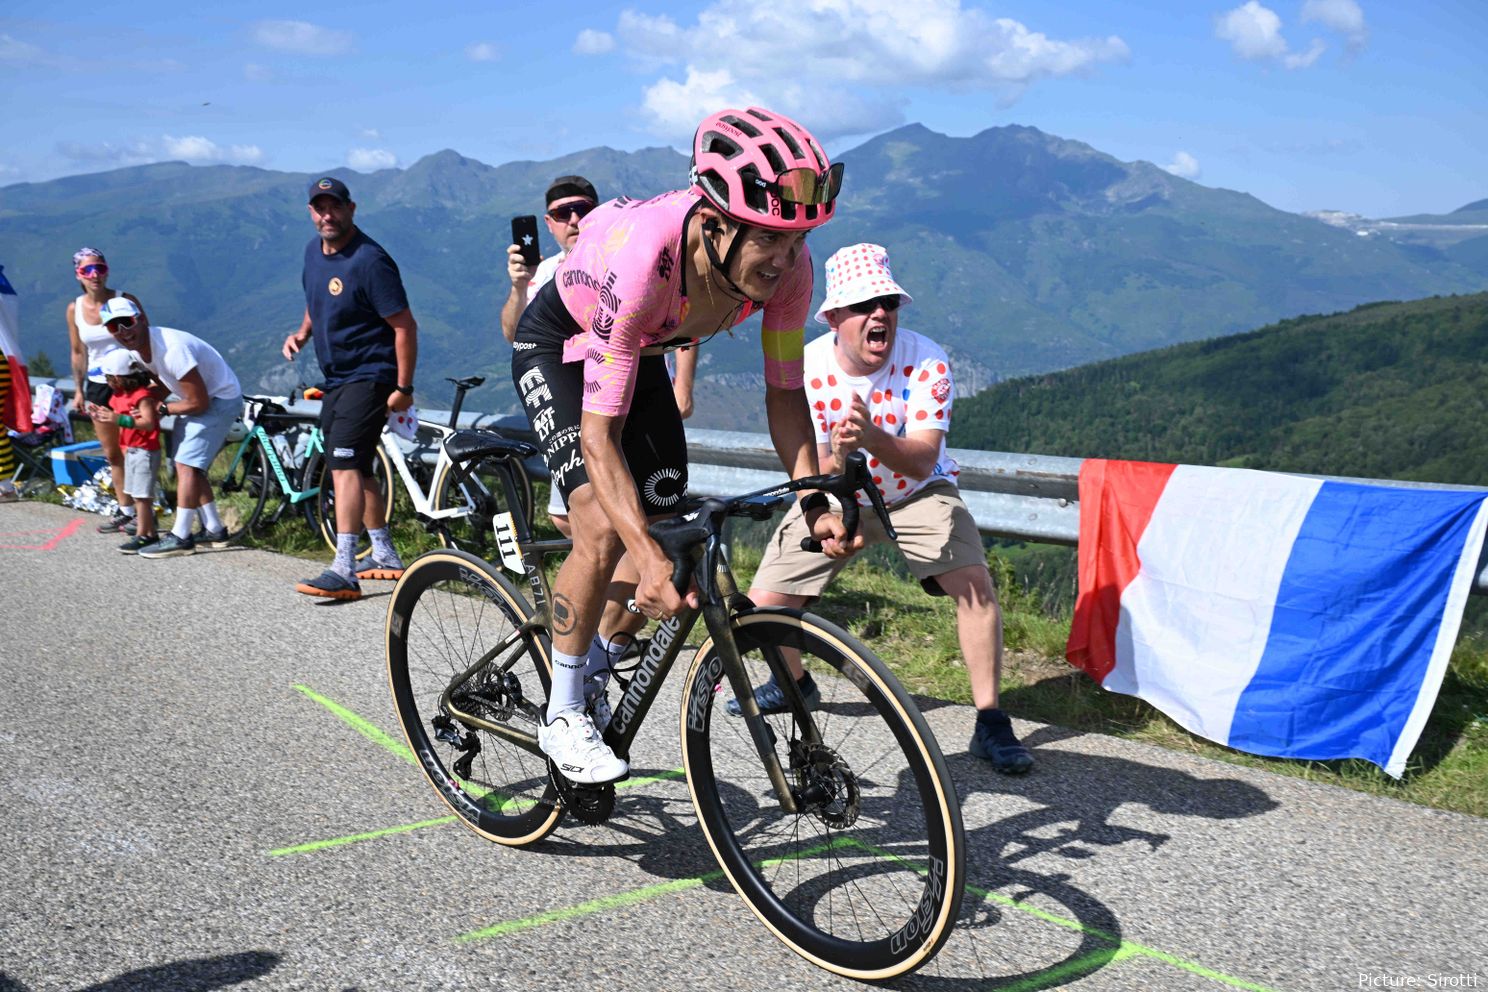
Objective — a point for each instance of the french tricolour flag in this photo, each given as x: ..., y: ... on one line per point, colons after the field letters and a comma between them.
x: 1272, y: 613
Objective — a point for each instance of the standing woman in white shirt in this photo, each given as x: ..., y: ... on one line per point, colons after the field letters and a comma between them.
x: 90, y: 341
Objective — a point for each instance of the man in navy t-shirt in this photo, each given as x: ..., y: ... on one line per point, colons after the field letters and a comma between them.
x: 367, y: 342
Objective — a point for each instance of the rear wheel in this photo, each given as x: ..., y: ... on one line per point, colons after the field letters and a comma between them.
x: 478, y: 489
x: 470, y: 692
x: 322, y: 507
x: 241, y: 481
x: 865, y: 879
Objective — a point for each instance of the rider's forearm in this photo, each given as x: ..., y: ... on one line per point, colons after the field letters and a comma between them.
x: 790, y: 430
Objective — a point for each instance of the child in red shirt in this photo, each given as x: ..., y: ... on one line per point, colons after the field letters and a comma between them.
x: 133, y: 407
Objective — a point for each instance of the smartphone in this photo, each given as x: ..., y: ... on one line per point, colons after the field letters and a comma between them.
x: 524, y: 235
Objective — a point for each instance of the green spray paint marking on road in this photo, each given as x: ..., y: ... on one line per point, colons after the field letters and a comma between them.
x: 370, y: 731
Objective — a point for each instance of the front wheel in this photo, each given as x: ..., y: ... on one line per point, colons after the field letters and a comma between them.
x: 865, y: 879
x: 478, y: 489
x: 322, y: 508
x: 470, y: 692
x: 241, y: 483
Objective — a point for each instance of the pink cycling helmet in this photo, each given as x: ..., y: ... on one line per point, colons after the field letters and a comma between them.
x: 762, y: 168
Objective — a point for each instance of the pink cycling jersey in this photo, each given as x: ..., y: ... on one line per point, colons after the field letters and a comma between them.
x: 622, y: 283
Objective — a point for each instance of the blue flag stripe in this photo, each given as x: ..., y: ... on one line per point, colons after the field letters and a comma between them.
x: 1358, y: 613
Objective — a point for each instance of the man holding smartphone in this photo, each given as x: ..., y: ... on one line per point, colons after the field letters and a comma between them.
x: 569, y: 199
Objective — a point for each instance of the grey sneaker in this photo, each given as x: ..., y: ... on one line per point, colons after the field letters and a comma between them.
x: 115, y: 523
x: 212, y: 538
x: 771, y: 698
x: 135, y: 545
x: 170, y: 546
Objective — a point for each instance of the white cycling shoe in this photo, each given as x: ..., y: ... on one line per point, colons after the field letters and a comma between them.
x: 598, y: 701
x: 576, y: 748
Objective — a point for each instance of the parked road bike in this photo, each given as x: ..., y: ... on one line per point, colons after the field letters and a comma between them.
x: 839, y: 826
x: 258, y: 480
x: 456, y: 494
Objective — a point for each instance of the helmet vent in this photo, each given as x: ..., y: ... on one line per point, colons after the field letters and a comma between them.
x: 790, y: 143
x: 758, y: 114
x: 743, y: 125
x: 716, y: 144
x: 773, y: 156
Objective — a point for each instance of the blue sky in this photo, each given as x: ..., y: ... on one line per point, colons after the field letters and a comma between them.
x: 1360, y: 105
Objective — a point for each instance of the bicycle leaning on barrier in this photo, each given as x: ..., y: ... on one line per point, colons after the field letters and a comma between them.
x: 839, y: 827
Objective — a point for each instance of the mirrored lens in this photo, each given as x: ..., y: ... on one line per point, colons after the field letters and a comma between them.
x: 805, y: 186
x: 562, y: 213
x: 124, y: 323
x: 889, y: 303
x: 91, y: 270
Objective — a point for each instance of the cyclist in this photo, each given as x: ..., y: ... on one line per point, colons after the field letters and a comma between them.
x: 645, y: 277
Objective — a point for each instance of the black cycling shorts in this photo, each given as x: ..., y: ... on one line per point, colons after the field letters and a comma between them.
x: 97, y: 392
x: 552, y: 393
x: 352, y: 416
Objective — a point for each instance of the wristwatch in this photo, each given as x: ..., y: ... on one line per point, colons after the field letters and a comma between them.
x: 163, y: 409
x: 405, y: 390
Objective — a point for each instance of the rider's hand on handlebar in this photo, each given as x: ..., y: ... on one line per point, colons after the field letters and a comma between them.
x: 832, y: 533
x: 655, y: 596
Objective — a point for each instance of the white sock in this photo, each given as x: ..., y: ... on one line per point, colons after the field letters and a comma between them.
x: 345, y: 560
x: 210, y: 519
x: 185, y: 520
x: 568, y: 684
x: 128, y: 511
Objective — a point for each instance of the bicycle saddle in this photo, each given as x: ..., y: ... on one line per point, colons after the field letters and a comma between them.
x: 465, y: 445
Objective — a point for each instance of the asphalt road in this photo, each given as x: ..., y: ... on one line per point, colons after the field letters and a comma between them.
x: 202, y: 787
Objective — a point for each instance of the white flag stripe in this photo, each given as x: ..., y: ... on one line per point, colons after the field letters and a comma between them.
x: 1210, y: 591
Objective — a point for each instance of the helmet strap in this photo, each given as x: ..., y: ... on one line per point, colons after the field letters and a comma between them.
x: 721, y: 266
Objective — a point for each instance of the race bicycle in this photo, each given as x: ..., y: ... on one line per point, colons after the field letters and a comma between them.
x: 266, y: 465
x: 455, y: 493
x: 839, y: 826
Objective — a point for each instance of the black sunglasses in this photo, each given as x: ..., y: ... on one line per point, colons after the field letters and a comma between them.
x: 118, y: 323
x: 562, y: 212
x: 889, y: 303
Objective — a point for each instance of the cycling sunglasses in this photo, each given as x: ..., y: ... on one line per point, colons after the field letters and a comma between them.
x: 889, y: 303
x: 562, y: 212
x: 98, y: 269
x: 121, y: 323
x: 805, y: 185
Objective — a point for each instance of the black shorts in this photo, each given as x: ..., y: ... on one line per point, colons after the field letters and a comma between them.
x: 352, y: 416
x: 97, y: 392
x: 552, y: 392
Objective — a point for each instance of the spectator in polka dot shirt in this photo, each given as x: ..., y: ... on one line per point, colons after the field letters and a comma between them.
x: 885, y: 390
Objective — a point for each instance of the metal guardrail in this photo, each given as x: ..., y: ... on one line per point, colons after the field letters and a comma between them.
x: 1018, y: 496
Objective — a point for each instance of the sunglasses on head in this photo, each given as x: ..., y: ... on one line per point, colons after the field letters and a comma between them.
x: 889, y: 303
x: 97, y: 269
x: 564, y: 211
x: 805, y: 185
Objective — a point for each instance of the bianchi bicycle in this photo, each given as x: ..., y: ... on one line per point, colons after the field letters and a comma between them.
x: 265, y: 467
x: 839, y: 826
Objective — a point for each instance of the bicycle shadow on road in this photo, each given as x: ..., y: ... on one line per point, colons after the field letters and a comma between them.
x: 192, y: 975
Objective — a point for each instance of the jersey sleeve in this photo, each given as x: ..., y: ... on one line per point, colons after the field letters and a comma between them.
x: 179, y: 360
x: 630, y: 302
x: 783, y: 327
x: 931, y: 390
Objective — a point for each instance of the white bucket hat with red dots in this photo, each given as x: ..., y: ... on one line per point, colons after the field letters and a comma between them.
x: 857, y: 273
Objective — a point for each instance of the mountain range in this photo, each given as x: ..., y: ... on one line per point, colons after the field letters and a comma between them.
x: 1025, y: 252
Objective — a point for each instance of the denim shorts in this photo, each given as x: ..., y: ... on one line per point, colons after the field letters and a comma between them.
x: 199, y: 436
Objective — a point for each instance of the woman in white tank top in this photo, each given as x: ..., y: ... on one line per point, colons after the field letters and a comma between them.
x: 90, y: 341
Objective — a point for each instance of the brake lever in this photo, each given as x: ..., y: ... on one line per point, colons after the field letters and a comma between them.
x: 855, y: 476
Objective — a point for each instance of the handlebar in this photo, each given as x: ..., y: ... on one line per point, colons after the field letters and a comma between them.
x: 679, y: 535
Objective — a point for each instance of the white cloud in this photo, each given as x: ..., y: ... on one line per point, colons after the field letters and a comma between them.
x: 371, y: 159
x: 193, y: 148
x: 301, y: 38
x: 1343, y: 16
x: 878, y: 47
x: 482, y: 51
x: 1254, y: 33
x: 591, y: 42
x: 254, y: 72
x: 1184, y: 166
x: 371, y: 134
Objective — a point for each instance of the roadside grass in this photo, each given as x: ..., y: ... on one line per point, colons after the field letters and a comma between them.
x: 878, y: 601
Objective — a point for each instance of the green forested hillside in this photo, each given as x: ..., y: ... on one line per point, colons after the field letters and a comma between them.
x: 1388, y: 390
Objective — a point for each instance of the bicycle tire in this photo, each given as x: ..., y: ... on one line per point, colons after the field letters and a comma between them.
x: 322, y: 507
x: 446, y: 612
x: 868, y: 883
x: 483, y: 494
x: 240, y: 479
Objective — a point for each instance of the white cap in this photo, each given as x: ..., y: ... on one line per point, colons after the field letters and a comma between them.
x: 118, y: 362
x: 119, y: 306
x: 857, y: 273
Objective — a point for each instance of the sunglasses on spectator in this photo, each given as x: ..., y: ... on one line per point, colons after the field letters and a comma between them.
x: 805, y: 185
x: 889, y: 303
x: 121, y: 323
x: 93, y: 270
x: 563, y: 212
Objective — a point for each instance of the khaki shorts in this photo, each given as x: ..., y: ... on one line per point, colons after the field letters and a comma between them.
x: 936, y: 535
